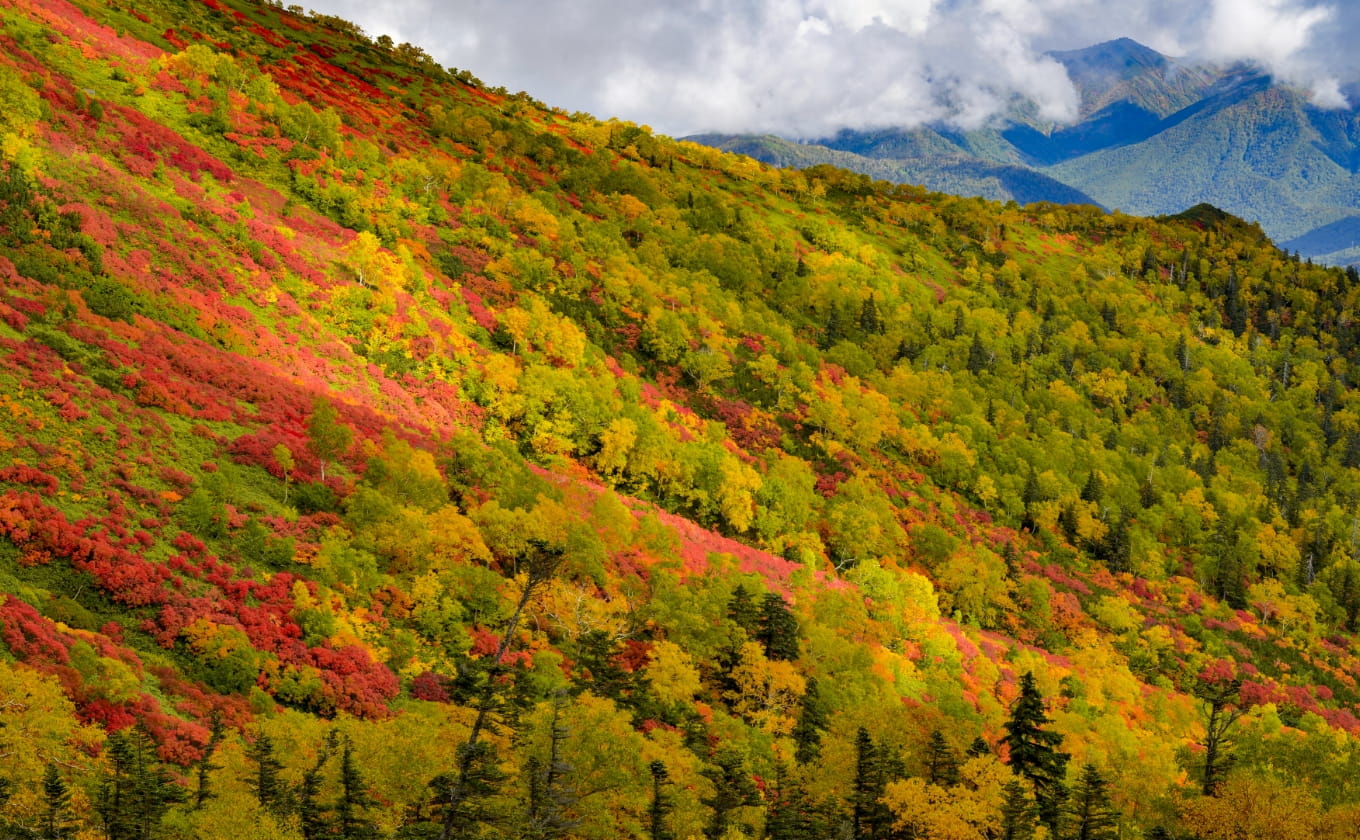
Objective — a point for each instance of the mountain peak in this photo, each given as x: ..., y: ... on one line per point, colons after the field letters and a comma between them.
x: 1122, y: 57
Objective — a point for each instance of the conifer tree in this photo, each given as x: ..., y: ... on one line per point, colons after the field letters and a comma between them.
x: 979, y: 747
x: 313, y: 819
x: 204, y: 765
x: 742, y: 610
x: 778, y: 629
x: 732, y: 789
x: 942, y: 765
x: 137, y: 791
x: 550, y: 797
x: 464, y: 792
x: 58, y: 823
x: 812, y: 720
x: 265, y: 782
x: 661, y: 805
x: 1034, y: 752
x: 351, y: 822
x: 1017, y: 813
x: 870, y: 818
x: 1090, y: 813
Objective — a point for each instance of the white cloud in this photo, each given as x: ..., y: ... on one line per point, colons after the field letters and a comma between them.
x: 810, y: 67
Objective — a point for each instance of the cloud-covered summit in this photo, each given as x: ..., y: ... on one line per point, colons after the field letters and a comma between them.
x: 807, y: 68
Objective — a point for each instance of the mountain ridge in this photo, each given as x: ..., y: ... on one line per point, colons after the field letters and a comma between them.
x: 1151, y: 133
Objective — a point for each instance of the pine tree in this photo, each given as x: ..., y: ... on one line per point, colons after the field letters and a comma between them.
x: 942, y: 765
x: 137, y: 791
x: 1017, y: 813
x: 980, y: 747
x: 550, y: 798
x: 1222, y: 697
x: 870, y: 817
x: 204, y: 766
x: 58, y: 823
x: 1034, y: 752
x: 977, y: 356
x: 351, y: 823
x: 1089, y: 811
x: 265, y: 781
x: 742, y: 610
x: 313, y: 819
x: 661, y: 805
x: 732, y: 789
x: 778, y: 629
x: 791, y: 815
x: 812, y: 720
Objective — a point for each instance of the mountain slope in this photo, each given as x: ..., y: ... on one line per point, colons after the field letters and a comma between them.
x: 1155, y: 136
x: 382, y: 455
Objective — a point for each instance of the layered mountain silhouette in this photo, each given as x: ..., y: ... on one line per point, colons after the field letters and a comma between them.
x: 1155, y: 135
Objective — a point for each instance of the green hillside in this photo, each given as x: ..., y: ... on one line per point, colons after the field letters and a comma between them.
x: 383, y: 455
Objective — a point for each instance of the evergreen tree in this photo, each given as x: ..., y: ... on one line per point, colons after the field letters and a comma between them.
x: 265, y: 782
x: 743, y: 612
x: 1017, y: 813
x: 137, y: 791
x: 1222, y: 697
x: 1090, y: 813
x: 204, y: 765
x: 812, y: 720
x: 870, y: 818
x: 351, y: 823
x: 313, y: 819
x: 58, y: 823
x: 977, y: 356
x: 1034, y: 752
x: 732, y: 789
x: 942, y: 765
x: 661, y: 805
x: 550, y: 798
x: 870, y: 321
x: 791, y: 815
x: 980, y: 747
x: 778, y: 629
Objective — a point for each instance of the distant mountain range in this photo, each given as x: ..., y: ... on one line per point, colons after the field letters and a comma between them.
x: 1155, y: 135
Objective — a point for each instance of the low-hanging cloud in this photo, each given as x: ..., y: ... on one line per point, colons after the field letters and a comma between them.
x: 807, y: 68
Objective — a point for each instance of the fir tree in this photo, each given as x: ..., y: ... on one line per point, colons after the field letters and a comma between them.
x: 265, y: 782
x: 732, y: 789
x: 351, y: 822
x: 1090, y: 813
x: 137, y: 791
x: 812, y: 720
x: 978, y: 357
x: 870, y: 817
x: 1017, y: 813
x: 743, y: 612
x: 661, y: 806
x: 204, y: 765
x: 942, y: 765
x: 313, y: 820
x: 1034, y: 752
x: 550, y: 798
x: 778, y: 629
x: 58, y: 823
x: 980, y: 747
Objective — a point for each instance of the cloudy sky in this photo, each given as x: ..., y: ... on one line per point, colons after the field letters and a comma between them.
x: 806, y: 68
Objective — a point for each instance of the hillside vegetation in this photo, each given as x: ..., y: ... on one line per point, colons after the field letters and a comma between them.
x: 382, y: 455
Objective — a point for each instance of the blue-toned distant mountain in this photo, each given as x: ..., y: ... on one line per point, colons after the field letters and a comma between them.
x: 1155, y: 135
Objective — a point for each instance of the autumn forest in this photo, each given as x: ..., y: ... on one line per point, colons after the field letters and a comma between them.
x: 385, y: 455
